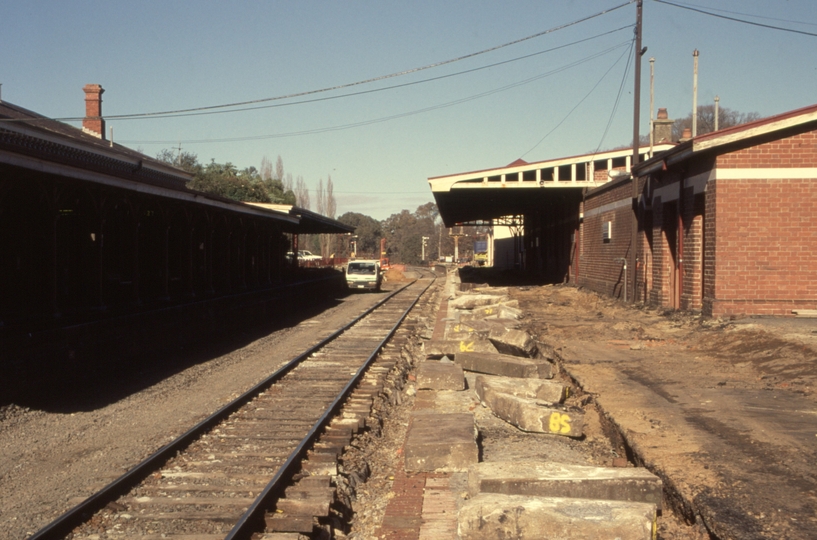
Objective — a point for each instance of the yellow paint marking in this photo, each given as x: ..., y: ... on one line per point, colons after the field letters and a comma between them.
x: 559, y: 423
x: 466, y: 347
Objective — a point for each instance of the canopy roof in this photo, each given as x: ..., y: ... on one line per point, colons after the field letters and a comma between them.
x: 521, y: 187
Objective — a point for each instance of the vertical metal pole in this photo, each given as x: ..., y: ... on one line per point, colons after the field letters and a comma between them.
x: 695, y: 93
x: 652, y: 104
x: 717, y: 108
x: 636, y: 119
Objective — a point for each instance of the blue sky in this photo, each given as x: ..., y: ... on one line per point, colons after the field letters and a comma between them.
x: 380, y: 147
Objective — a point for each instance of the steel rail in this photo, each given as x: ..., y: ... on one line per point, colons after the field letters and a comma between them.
x: 74, y: 517
x: 248, y: 523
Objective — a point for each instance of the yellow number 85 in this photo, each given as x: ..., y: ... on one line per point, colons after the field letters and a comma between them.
x: 559, y: 423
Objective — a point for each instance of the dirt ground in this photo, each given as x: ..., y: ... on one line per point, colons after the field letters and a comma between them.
x: 725, y: 411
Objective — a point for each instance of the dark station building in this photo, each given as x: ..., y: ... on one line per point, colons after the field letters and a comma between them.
x: 102, y: 244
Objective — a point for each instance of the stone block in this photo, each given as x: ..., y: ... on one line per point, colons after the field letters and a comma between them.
x: 458, y: 332
x: 433, y: 375
x: 496, y: 311
x: 499, y: 517
x: 440, y: 441
x: 548, y: 479
x: 513, y: 342
x: 450, y: 348
x: 530, y: 414
x: 505, y: 365
x: 473, y: 301
x: 538, y: 389
x: 484, y: 288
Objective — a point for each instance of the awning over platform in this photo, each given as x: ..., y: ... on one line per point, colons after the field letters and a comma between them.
x: 521, y: 187
x: 308, y: 222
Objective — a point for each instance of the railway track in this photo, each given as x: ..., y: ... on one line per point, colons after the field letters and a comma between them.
x: 266, y: 461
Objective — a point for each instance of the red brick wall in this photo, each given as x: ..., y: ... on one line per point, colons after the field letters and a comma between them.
x: 693, y: 208
x: 709, y: 247
x: 766, y: 252
x: 599, y: 269
x: 761, y: 234
x: 795, y: 151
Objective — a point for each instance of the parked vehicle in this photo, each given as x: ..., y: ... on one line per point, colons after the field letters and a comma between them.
x: 304, y: 255
x: 364, y: 274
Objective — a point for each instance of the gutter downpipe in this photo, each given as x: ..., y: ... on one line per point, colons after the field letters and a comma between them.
x: 624, y: 261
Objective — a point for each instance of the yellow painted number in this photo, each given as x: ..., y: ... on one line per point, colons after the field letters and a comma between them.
x: 559, y: 423
x: 466, y: 347
x: 489, y: 311
x: 457, y: 328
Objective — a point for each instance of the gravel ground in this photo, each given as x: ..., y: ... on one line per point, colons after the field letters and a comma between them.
x: 50, y: 461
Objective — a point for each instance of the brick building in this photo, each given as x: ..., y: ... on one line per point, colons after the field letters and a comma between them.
x: 726, y: 223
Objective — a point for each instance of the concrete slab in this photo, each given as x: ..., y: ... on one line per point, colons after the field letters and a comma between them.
x: 450, y: 348
x: 513, y: 342
x: 529, y: 414
x: 440, y: 441
x: 433, y: 375
x: 477, y: 288
x: 505, y: 365
x: 473, y: 301
x: 499, y: 517
x: 538, y: 389
x: 491, y: 312
x: 548, y: 479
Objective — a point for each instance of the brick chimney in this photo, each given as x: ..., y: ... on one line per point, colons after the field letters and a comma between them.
x: 93, y: 123
x: 662, y: 127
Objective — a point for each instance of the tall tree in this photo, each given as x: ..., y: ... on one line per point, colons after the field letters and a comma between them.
x: 326, y: 206
x: 706, y: 120
x: 301, y: 193
x: 266, y: 169
x: 279, y: 168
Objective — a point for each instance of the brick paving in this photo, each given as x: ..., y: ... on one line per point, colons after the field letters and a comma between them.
x: 423, y: 506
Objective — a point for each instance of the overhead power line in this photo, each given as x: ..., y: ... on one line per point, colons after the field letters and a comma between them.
x: 395, y: 116
x: 744, y: 21
x: 357, y: 83
x: 582, y: 100
x: 384, y: 88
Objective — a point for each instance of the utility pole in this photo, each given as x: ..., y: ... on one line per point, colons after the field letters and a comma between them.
x: 717, y: 106
x: 694, y: 93
x: 633, y: 258
x: 652, y: 104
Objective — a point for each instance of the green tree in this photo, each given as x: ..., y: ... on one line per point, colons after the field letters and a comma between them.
x: 404, y: 233
x: 226, y: 180
x: 187, y: 161
x: 368, y: 232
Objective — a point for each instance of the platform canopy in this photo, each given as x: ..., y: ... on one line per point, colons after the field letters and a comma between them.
x: 308, y: 222
x: 522, y: 187
x: 34, y: 144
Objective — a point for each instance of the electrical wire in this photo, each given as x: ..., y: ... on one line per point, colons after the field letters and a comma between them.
x: 576, y: 106
x: 618, y: 98
x: 391, y: 117
x: 748, y: 14
x: 735, y: 19
x: 357, y: 83
x: 375, y: 90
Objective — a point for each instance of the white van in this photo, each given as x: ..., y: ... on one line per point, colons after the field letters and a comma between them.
x: 364, y: 274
